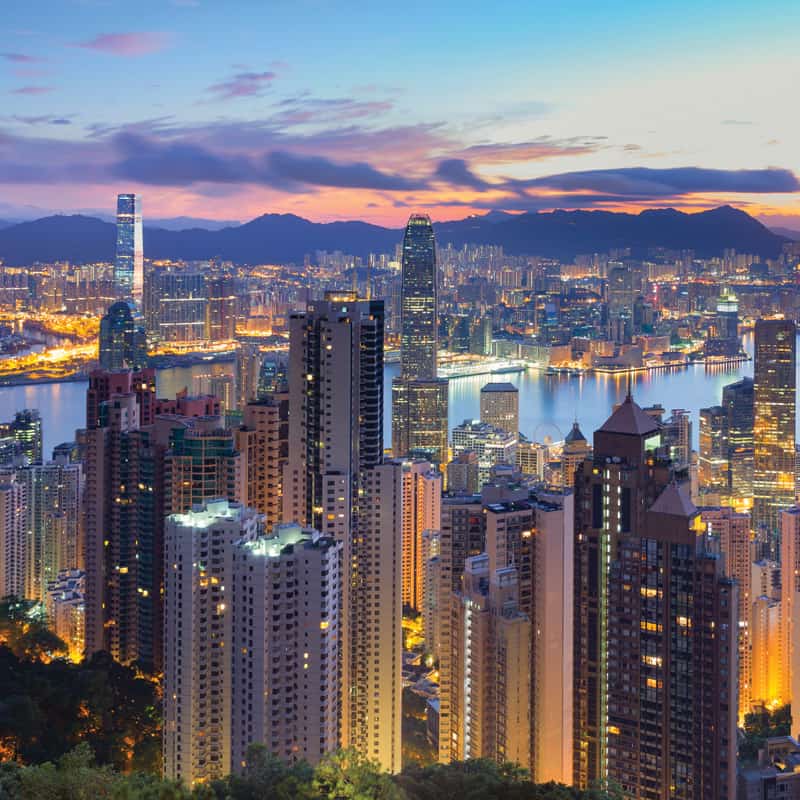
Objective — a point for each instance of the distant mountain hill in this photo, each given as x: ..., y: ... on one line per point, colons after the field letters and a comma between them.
x: 787, y: 232
x: 282, y: 238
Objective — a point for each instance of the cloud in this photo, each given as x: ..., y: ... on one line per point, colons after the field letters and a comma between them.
x: 20, y: 58
x: 457, y: 172
x: 737, y: 122
x: 532, y: 150
x: 674, y: 182
x: 131, y: 44
x: 33, y: 90
x: 321, y: 171
x: 243, y: 84
x: 41, y: 119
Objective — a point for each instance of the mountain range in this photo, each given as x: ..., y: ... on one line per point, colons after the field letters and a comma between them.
x: 285, y: 238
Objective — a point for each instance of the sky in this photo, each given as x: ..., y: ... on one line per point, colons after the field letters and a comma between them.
x: 334, y: 109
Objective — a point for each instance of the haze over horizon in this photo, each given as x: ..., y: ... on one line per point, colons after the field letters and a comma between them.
x: 332, y: 112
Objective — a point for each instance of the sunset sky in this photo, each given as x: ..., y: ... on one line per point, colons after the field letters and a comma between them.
x: 339, y: 109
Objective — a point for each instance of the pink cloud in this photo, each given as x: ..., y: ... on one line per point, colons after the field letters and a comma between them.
x: 244, y: 84
x: 33, y: 90
x: 135, y: 43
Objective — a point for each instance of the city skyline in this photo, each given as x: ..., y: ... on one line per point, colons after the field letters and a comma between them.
x: 458, y: 116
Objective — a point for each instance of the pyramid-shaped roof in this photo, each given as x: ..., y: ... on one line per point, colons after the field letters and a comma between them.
x: 675, y: 501
x: 631, y: 419
x: 575, y: 435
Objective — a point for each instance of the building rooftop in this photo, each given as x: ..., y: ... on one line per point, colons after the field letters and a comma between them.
x: 675, y: 501
x: 575, y: 435
x: 629, y: 418
x: 499, y: 387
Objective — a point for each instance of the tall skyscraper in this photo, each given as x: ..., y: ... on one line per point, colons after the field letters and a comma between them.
x: 335, y: 481
x: 13, y: 515
x: 286, y: 595
x: 790, y: 608
x: 655, y: 627
x: 714, y: 461
x: 774, y: 386
x: 422, y: 511
x: 198, y: 637
x: 129, y: 264
x: 737, y: 400
x: 26, y: 430
x: 419, y: 398
x: 175, y: 306
x: 419, y: 338
x: 123, y: 344
x: 500, y: 406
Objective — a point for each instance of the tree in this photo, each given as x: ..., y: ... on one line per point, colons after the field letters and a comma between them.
x: 347, y: 775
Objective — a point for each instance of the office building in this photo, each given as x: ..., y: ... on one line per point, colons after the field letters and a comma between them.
x: 774, y: 386
x: 198, y: 637
x: 286, y: 645
x: 26, y: 430
x: 737, y: 400
x: 499, y: 404
x: 221, y: 308
x: 123, y: 344
x: 175, y: 306
x: 422, y: 511
x: 419, y: 399
x: 655, y: 679
x: 419, y: 419
x: 714, y: 458
x: 129, y: 263
x: 724, y: 343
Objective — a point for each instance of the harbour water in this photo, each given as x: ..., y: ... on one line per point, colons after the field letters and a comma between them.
x: 548, y: 404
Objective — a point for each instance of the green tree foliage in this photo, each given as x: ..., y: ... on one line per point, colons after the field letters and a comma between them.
x: 46, y: 709
x: 25, y: 633
x: 762, y: 725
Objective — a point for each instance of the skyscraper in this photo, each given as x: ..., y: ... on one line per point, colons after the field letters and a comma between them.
x: 655, y: 626
x: 26, y: 430
x: 129, y: 264
x: 737, y: 399
x: 286, y: 596
x: 774, y: 385
x: 500, y: 406
x: 335, y: 481
x: 714, y: 462
x: 198, y: 637
x: 419, y: 339
x: 123, y: 344
x: 419, y: 398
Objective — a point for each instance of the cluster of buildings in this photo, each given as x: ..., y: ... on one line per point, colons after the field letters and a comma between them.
x: 600, y: 611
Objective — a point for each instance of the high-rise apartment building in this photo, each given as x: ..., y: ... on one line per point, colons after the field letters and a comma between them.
x: 790, y: 606
x: 286, y: 645
x: 221, y: 308
x: 774, y: 386
x: 419, y: 398
x: 66, y: 611
x: 574, y: 452
x: 655, y: 674
x: 13, y: 530
x: 264, y: 437
x: 422, y: 511
x: 335, y: 481
x: 129, y: 264
x: 198, y: 637
x: 123, y: 344
x: 499, y: 403
x: 732, y: 531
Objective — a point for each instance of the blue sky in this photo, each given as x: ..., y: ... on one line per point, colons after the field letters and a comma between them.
x: 343, y: 109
